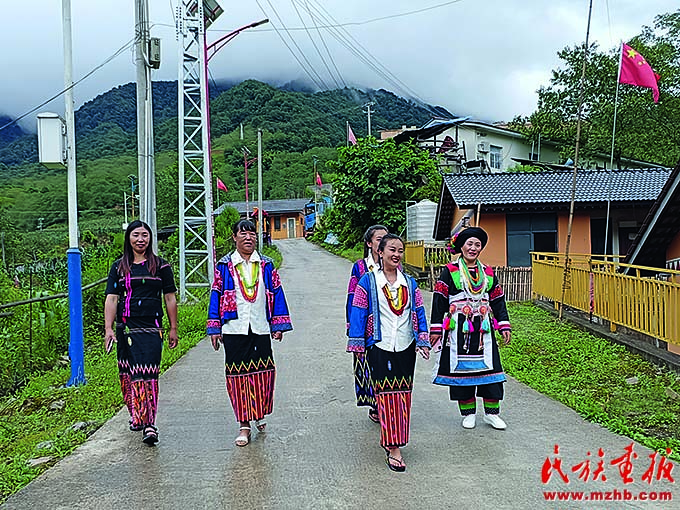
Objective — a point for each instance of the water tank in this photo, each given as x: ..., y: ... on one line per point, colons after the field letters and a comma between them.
x: 420, y: 221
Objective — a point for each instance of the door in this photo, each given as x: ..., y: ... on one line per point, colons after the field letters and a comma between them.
x: 291, y: 227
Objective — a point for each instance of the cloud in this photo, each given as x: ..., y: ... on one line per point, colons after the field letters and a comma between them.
x: 484, y: 58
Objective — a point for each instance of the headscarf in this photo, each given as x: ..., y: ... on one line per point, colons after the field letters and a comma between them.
x: 458, y: 240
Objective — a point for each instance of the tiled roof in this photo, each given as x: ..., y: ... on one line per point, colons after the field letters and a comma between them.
x: 468, y: 190
x: 271, y: 206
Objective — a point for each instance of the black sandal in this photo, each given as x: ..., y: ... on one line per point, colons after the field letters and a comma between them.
x: 400, y: 468
x: 135, y: 428
x: 373, y: 415
x: 150, y: 435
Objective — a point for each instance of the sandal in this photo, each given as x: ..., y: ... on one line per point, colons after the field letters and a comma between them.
x: 399, y: 468
x: 150, y: 435
x: 242, y: 440
x: 135, y: 428
x: 261, y: 425
x: 373, y: 415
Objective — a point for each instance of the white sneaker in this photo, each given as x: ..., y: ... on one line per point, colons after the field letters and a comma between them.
x: 469, y: 421
x: 495, y: 421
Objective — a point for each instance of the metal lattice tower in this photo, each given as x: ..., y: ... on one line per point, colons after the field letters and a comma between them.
x: 196, y: 242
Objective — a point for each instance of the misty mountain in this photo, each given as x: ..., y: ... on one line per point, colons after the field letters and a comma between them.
x: 106, y: 125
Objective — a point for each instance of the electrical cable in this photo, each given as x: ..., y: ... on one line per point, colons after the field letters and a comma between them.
x: 352, y: 44
x: 118, y: 52
x: 323, y: 60
x: 318, y: 82
x: 330, y: 55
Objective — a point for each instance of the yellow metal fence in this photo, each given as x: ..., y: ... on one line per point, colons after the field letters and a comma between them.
x: 646, y: 300
x: 516, y: 281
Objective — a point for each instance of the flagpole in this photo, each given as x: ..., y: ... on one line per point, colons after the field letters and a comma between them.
x: 566, y: 278
x: 611, y: 156
x: 347, y: 134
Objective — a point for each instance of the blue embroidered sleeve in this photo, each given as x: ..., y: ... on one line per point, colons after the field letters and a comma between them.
x: 358, y: 318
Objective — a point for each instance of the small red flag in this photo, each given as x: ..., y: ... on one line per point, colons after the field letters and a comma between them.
x: 221, y: 185
x: 350, y: 135
x: 318, y: 180
x: 636, y: 71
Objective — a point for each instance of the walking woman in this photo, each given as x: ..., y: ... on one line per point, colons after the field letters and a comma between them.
x: 138, y: 284
x: 468, y: 304
x: 247, y: 307
x: 363, y: 386
x: 388, y: 324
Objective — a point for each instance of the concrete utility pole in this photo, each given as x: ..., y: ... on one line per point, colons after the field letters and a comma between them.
x: 259, y: 191
x: 145, y: 156
x: 75, y: 293
x: 368, y: 112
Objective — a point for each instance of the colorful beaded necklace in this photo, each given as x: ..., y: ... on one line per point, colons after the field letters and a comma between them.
x: 249, y: 290
x: 476, y: 283
x: 398, y: 301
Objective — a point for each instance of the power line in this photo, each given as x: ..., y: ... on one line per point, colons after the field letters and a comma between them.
x: 318, y: 81
x: 330, y: 56
x: 118, y: 52
x: 352, y: 44
x: 323, y: 60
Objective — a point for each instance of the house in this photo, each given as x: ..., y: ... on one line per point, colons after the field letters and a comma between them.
x: 282, y: 218
x: 657, y: 243
x: 463, y: 145
x: 529, y: 211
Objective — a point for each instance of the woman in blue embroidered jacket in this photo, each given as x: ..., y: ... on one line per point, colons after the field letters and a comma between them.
x: 363, y: 386
x: 247, y: 307
x: 468, y: 304
x: 388, y: 324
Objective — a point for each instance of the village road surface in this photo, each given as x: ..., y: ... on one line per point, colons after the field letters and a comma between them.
x: 321, y: 452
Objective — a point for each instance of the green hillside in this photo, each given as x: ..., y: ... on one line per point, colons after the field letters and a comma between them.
x: 298, y: 127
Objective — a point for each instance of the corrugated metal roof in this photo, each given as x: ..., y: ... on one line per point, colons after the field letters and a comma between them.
x: 468, y: 190
x: 271, y: 206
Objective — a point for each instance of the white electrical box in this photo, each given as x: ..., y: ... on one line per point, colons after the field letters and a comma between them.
x: 155, y: 52
x: 51, y: 140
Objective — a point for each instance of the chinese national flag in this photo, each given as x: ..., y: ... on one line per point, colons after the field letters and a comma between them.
x: 636, y: 71
x: 221, y: 185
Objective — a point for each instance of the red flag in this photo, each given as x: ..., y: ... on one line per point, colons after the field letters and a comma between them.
x: 636, y: 71
x: 221, y: 185
x: 350, y: 135
x: 318, y: 180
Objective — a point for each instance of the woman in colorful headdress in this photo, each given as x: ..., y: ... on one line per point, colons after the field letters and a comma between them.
x: 468, y: 305
x: 388, y: 324
x: 363, y: 386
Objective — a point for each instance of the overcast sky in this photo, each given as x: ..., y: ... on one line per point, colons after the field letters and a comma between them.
x: 483, y: 58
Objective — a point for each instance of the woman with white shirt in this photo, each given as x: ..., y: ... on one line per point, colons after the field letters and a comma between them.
x: 363, y: 386
x: 388, y: 324
x: 247, y: 308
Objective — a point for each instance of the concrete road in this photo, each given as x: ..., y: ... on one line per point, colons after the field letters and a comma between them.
x: 320, y: 451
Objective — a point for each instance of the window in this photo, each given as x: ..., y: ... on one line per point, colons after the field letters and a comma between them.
x: 496, y: 157
x: 277, y: 223
x: 530, y: 232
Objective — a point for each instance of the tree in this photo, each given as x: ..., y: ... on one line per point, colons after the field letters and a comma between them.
x: 645, y: 130
x: 374, y: 181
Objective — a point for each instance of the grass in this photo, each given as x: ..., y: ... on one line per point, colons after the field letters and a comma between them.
x: 45, y: 413
x: 602, y: 381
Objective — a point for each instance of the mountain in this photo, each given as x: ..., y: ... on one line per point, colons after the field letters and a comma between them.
x: 106, y: 125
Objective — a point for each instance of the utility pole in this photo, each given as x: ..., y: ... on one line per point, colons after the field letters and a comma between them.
x: 368, y: 111
x: 76, y: 346
x: 145, y: 161
x: 259, y: 190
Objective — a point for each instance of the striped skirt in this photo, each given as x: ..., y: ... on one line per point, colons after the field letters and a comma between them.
x: 139, y: 344
x: 250, y: 374
x: 392, y: 376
